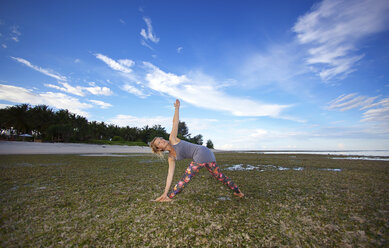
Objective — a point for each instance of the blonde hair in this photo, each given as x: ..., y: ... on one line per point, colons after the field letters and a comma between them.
x: 156, y: 150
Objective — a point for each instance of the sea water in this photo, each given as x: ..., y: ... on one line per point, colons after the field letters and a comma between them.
x: 359, y: 153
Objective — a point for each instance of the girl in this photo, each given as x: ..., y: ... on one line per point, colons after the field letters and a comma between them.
x: 179, y: 149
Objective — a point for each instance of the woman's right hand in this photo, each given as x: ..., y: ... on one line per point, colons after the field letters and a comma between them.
x: 177, y: 103
x: 163, y: 198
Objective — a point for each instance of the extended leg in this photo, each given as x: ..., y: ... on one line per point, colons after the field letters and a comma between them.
x: 215, y: 171
x: 189, y: 173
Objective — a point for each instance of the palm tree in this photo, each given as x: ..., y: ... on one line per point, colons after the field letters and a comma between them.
x: 198, y: 139
x: 183, y: 130
x: 41, y: 117
x: 210, y: 144
x: 19, y: 118
x: 82, y: 130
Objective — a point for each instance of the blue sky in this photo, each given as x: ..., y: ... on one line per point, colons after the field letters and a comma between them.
x: 249, y: 74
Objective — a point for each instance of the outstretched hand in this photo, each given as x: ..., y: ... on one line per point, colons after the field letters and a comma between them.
x: 163, y: 198
x: 177, y: 103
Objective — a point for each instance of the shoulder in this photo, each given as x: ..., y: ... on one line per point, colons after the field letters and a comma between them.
x: 174, y: 140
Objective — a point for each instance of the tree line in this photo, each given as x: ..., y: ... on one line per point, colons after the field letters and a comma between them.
x: 43, y: 123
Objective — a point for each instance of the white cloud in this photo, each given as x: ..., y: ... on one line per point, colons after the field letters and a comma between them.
x: 382, y: 102
x: 200, y: 90
x: 133, y: 121
x: 195, y: 125
x: 15, y: 30
x: 68, y: 88
x: 102, y: 104
x: 121, y: 65
x: 339, y: 99
x: 149, y: 35
x: 97, y: 90
x: 58, y: 100
x: 380, y: 112
x: 15, y: 33
x: 199, y: 125
x: 3, y: 106
x: 47, y: 72
x: 275, y: 68
x: 333, y: 29
x: 274, y: 134
x: 180, y: 49
x: 195, y: 88
x: 126, y: 62
x: 133, y: 90
x: 4, y: 45
x: 259, y: 138
x: 144, y: 43
x: 259, y: 133
x: 124, y: 66
x: 122, y: 22
x: 375, y: 111
x: 80, y: 90
x: 353, y: 137
x: 350, y: 101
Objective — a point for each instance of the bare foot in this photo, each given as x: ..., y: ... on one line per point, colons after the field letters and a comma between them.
x: 240, y: 194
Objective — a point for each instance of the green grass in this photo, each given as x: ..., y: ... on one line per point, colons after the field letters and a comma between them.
x: 69, y: 200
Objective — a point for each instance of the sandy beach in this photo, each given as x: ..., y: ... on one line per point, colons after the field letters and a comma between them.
x: 17, y: 147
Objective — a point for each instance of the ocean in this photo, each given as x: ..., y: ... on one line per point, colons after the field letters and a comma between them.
x: 357, y: 153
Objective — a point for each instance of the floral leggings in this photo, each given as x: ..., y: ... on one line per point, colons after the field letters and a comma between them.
x: 194, y: 168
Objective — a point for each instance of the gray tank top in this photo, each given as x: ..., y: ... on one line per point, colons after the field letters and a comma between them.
x: 199, y: 154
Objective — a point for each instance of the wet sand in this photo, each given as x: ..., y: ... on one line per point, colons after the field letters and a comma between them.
x: 18, y: 147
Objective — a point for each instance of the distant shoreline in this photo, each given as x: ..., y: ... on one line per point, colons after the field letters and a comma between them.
x: 21, y: 147
x: 371, y: 153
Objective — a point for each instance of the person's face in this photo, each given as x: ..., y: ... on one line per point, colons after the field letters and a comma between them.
x: 161, y: 143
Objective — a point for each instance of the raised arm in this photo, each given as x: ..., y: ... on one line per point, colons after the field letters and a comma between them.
x: 173, y: 134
